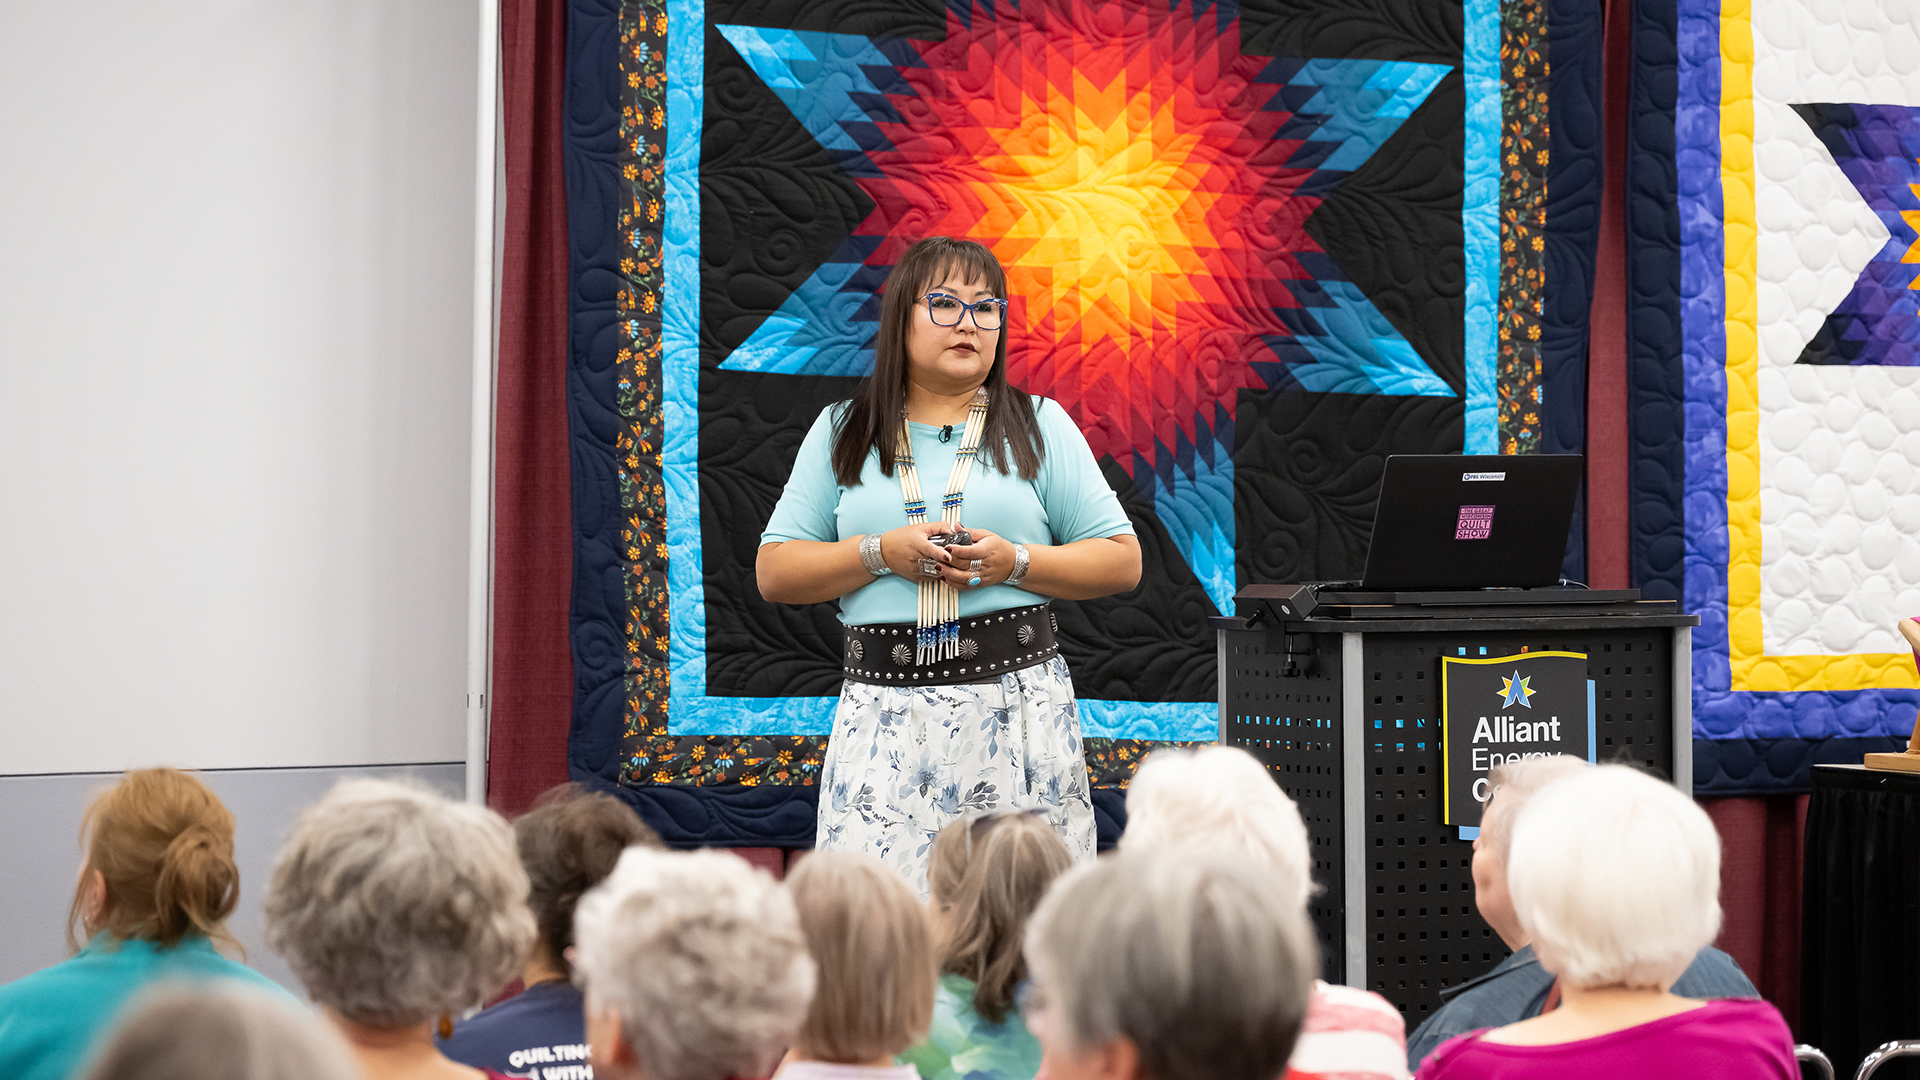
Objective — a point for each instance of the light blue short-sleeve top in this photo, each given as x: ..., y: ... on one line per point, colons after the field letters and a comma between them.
x: 1067, y: 502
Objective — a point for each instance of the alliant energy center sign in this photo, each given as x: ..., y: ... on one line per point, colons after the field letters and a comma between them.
x: 1503, y: 708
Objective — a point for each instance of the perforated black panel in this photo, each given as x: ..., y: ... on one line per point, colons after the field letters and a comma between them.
x: 1285, y: 710
x: 1417, y: 917
x: 1423, y: 932
x: 1633, y: 696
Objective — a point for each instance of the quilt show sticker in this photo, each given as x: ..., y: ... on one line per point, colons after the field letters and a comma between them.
x: 1506, y: 708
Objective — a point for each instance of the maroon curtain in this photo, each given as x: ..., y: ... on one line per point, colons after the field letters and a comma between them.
x: 1607, y: 562
x: 533, y: 534
x: 1760, y: 867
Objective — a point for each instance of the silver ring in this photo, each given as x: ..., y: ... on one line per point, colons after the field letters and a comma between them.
x: 976, y: 566
x: 974, y: 580
x: 929, y: 568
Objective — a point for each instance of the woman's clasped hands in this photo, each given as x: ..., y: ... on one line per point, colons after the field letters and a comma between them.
x: 910, y: 552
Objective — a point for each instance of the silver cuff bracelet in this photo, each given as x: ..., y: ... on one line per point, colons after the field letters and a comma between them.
x: 1019, y: 566
x: 870, y: 556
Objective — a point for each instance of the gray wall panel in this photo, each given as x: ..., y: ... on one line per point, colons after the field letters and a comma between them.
x: 39, y: 847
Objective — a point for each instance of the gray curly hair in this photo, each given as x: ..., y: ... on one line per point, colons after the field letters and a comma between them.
x: 394, y: 904
x: 701, y: 959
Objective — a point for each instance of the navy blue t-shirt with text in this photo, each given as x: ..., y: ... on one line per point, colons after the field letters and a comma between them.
x: 539, y: 1034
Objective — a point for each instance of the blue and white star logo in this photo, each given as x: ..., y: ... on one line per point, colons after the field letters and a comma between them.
x: 1515, y: 689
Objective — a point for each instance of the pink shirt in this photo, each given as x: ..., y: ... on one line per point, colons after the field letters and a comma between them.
x: 1349, y: 1034
x: 1729, y: 1039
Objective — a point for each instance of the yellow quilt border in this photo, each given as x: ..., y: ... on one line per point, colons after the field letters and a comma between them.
x: 1752, y: 669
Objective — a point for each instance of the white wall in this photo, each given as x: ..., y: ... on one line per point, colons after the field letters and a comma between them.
x: 236, y: 243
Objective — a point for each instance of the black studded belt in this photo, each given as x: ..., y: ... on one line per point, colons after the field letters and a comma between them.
x: 991, y: 645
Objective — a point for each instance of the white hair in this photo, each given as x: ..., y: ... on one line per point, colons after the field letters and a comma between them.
x: 1191, y: 959
x: 1514, y: 783
x: 701, y: 958
x: 394, y: 904
x: 221, y: 1030
x: 1616, y: 876
x: 1219, y: 799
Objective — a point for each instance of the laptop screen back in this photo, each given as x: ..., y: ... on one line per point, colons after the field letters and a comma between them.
x: 1449, y: 521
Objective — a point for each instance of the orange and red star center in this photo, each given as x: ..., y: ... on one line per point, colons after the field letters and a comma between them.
x: 1129, y: 180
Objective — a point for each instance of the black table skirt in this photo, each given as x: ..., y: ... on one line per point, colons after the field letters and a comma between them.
x: 1860, y: 949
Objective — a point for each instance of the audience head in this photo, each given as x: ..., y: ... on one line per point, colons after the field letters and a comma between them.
x: 987, y: 873
x: 395, y: 905
x: 219, y: 1032
x: 159, y: 861
x: 568, y: 843
x: 1512, y: 785
x: 1164, y: 966
x: 1616, y: 876
x: 694, y: 968
x: 1219, y: 800
x: 869, y: 937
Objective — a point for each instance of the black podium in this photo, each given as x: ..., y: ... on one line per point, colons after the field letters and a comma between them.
x: 1338, y: 693
x: 1860, y: 939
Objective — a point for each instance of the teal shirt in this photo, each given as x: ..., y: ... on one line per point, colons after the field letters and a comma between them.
x: 50, y: 1020
x: 1067, y: 502
x: 962, y: 1046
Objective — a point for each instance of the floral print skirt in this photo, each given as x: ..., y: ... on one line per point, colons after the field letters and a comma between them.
x: 904, y: 761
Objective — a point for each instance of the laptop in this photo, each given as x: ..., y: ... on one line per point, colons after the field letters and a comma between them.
x: 1453, y: 521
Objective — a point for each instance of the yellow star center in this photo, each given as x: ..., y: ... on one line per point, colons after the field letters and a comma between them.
x: 1104, y: 216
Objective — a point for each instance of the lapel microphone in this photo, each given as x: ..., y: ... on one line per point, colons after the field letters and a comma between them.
x: 946, y: 433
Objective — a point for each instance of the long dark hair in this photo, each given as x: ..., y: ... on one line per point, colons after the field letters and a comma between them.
x: 872, y: 418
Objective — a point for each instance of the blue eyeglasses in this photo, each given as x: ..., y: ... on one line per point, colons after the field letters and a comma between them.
x: 946, y: 310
